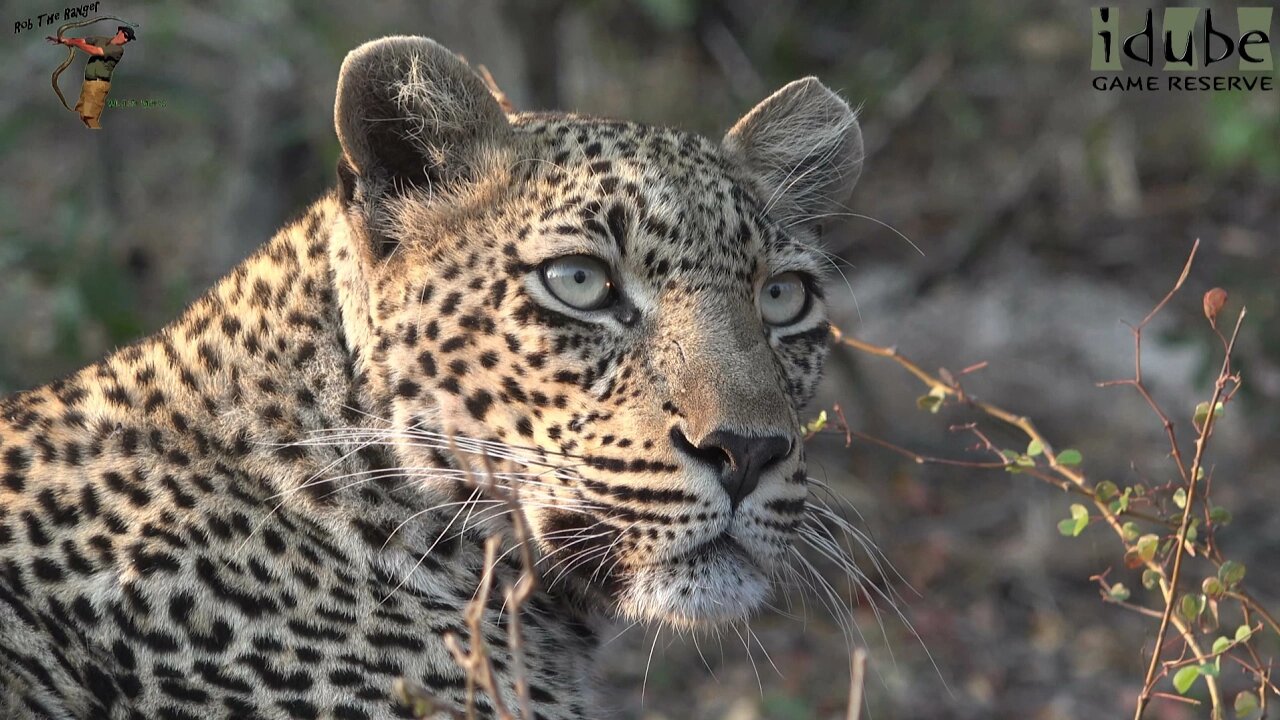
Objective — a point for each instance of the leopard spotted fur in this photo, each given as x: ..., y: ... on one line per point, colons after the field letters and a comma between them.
x: 262, y: 511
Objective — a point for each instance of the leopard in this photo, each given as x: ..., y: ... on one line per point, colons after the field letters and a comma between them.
x: 601, y: 332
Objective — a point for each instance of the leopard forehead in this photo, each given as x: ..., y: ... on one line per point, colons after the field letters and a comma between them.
x: 639, y: 195
x: 668, y: 192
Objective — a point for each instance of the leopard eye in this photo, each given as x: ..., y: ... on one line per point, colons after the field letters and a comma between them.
x: 783, y: 299
x: 579, y: 281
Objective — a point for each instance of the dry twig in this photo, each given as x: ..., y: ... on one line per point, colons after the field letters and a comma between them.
x: 857, y: 676
x: 475, y: 660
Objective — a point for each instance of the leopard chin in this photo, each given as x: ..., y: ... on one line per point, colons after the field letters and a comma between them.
x: 715, y: 584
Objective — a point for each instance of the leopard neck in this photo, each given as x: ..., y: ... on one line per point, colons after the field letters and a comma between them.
x: 260, y: 373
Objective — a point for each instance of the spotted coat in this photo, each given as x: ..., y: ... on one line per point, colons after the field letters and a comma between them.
x: 264, y: 509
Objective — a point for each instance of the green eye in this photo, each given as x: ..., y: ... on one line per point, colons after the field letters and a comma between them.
x: 783, y: 299
x: 579, y: 281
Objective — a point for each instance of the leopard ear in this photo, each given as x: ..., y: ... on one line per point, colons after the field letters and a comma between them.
x: 411, y: 113
x: 803, y: 149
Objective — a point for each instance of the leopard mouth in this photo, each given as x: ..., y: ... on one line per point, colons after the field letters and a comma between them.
x: 723, y: 544
x: 715, y: 583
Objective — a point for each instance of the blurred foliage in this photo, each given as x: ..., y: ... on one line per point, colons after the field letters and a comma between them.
x: 1243, y: 136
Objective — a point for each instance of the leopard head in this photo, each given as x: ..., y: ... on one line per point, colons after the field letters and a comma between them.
x: 629, y: 317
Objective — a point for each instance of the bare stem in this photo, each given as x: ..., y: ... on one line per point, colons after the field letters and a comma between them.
x: 1202, y: 441
x: 475, y: 661
x: 857, y: 673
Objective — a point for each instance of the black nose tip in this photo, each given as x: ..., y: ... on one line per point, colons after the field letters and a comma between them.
x: 740, y: 459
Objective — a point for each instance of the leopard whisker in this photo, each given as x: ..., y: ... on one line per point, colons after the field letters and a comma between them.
x: 698, y: 647
x: 857, y: 580
x: 645, y: 684
x: 582, y: 557
x: 618, y: 556
x: 819, y: 164
x: 424, y: 555
x: 860, y: 216
x: 751, y: 657
x: 419, y: 433
x: 883, y: 565
x: 841, y: 611
x: 271, y: 513
x: 621, y: 534
x: 891, y: 600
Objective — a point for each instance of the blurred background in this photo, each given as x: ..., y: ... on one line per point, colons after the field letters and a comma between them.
x: 1045, y: 213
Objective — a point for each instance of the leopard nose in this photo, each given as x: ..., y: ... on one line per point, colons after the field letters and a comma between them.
x: 740, y: 459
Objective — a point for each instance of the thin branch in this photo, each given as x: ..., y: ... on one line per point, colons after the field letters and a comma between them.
x: 1202, y: 441
x: 857, y: 675
x: 1253, y: 604
x: 945, y: 385
x: 919, y: 459
x: 1136, y: 380
x: 1074, y: 477
x: 476, y: 661
x: 1076, y: 481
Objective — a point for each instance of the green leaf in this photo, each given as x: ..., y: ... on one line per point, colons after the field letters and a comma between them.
x: 1209, y: 670
x: 933, y: 401
x: 1121, y: 503
x: 1243, y: 633
x: 1191, y: 607
x: 1074, y: 525
x: 1180, y: 498
x: 1231, y: 573
x: 1130, y: 531
x: 1035, y: 448
x: 1017, y: 461
x: 1069, y: 457
x: 1220, y: 645
x: 1202, y: 412
x: 1193, y: 530
x: 1150, y: 579
x: 1246, y: 703
x: 1220, y: 515
x: 1147, y: 546
x: 1185, y: 678
x: 1106, y: 491
x: 817, y: 423
x: 1118, y: 592
x: 1212, y: 587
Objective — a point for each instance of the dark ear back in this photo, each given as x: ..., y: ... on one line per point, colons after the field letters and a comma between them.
x: 410, y: 112
x: 803, y: 148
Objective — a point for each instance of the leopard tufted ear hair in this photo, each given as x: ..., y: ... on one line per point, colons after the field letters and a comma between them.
x: 803, y: 148
x: 410, y: 113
